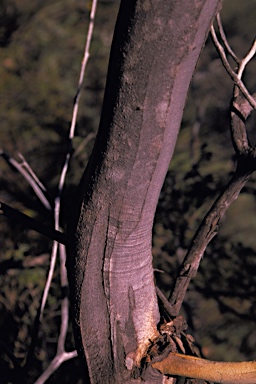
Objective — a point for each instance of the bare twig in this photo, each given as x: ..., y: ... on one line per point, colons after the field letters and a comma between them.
x: 165, y: 303
x: 83, y: 67
x: 61, y: 354
x: 246, y: 164
x: 246, y: 59
x: 49, y: 278
x: 224, y: 39
x: 30, y: 223
x: 84, y: 143
x: 66, y: 164
x: 25, y: 165
x: 54, y: 365
x: 234, y: 76
x: 64, y: 302
x: 28, y: 175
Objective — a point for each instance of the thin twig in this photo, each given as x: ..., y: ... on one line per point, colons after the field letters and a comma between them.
x: 68, y: 156
x: 61, y: 355
x: 54, y: 365
x: 246, y: 59
x: 165, y: 303
x: 230, y: 71
x: 30, y: 223
x: 49, y: 278
x: 64, y: 301
x: 83, y: 67
x: 225, y: 41
x: 30, y: 179
x: 25, y: 165
x: 84, y: 143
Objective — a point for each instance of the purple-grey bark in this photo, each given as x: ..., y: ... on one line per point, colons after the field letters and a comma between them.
x: 154, y: 52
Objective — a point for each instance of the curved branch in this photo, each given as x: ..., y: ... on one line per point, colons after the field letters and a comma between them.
x: 28, y: 222
x: 207, y: 230
x: 61, y: 354
x: 242, y: 106
x: 246, y: 165
x: 55, y: 364
x: 25, y: 170
x: 224, y: 39
x: 234, y: 76
x: 196, y: 368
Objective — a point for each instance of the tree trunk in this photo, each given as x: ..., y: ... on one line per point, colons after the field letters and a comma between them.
x: 154, y: 52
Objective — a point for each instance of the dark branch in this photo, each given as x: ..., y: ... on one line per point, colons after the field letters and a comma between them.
x: 165, y: 303
x: 28, y: 222
x: 246, y: 165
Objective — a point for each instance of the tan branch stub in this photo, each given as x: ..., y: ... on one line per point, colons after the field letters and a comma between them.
x: 176, y: 364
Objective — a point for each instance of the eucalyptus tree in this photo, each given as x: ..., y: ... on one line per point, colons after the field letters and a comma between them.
x: 154, y: 52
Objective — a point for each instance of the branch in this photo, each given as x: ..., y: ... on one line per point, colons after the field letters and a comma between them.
x: 176, y: 364
x: 240, y: 111
x: 64, y: 301
x: 164, y: 302
x: 224, y: 39
x: 242, y: 105
x: 246, y: 60
x: 61, y: 354
x: 27, y: 222
x: 83, y: 67
x: 234, y: 76
x: 246, y: 157
x: 25, y: 170
x: 55, y: 364
x: 207, y: 230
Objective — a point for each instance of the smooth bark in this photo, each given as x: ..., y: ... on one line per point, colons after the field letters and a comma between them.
x: 219, y: 372
x: 154, y: 52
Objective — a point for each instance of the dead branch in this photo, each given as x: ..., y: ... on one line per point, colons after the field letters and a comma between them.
x: 236, y: 77
x: 29, y: 223
x: 25, y: 170
x: 196, y: 368
x: 61, y: 354
x: 224, y: 39
x: 242, y: 105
